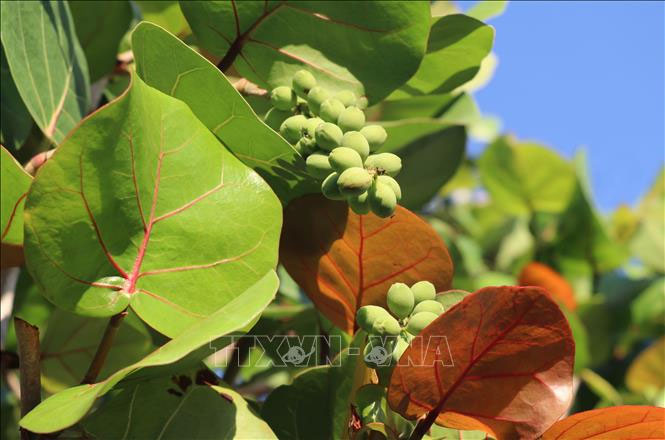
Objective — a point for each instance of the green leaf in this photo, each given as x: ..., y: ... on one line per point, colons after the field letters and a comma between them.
x: 649, y: 240
x: 70, y: 341
x: 15, y: 120
x: 457, y: 45
x: 487, y: 9
x: 600, y: 386
x: 143, y: 207
x: 47, y: 63
x: 648, y: 309
x: 179, y: 407
x: 194, y: 80
x: 523, y: 177
x: 165, y: 13
x: 302, y: 409
x: 68, y: 407
x: 15, y: 183
x: 369, y: 47
x: 100, y: 26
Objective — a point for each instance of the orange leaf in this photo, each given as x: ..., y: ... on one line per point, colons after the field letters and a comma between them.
x: 618, y: 422
x: 541, y: 275
x: 500, y: 361
x: 344, y: 261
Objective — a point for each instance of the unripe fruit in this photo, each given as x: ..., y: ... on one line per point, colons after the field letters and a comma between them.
x: 382, y: 200
x: 346, y: 97
x: 303, y: 82
x: 375, y: 134
x: 309, y: 127
x: 330, y: 189
x: 342, y: 158
x: 330, y: 109
x: 328, y: 136
x: 352, y: 118
x: 362, y: 103
x: 385, y: 163
x: 291, y: 128
x: 392, y: 183
x: 423, y: 290
x: 376, y: 320
x: 283, y: 98
x: 274, y: 118
x: 308, y: 145
x: 354, y: 181
x: 315, y: 98
x: 429, y: 305
x: 301, y: 148
x: 359, y: 204
x: 302, y: 108
x: 318, y: 166
x: 355, y: 140
x: 400, y: 300
x: 419, y: 321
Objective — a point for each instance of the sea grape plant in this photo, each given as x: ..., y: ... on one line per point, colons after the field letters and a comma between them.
x: 204, y: 234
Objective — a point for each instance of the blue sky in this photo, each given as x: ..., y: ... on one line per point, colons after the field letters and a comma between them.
x: 589, y: 74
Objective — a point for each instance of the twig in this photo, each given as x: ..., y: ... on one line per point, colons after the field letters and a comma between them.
x: 27, y: 337
x: 103, y: 348
x: 246, y: 87
x: 239, y: 356
x: 425, y: 424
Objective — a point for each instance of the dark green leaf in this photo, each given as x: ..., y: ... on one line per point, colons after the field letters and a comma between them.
x: 487, y: 9
x: 165, y: 13
x: 371, y: 47
x: 143, y: 207
x: 47, y: 63
x: 15, y: 183
x: 649, y: 240
x: 15, y: 120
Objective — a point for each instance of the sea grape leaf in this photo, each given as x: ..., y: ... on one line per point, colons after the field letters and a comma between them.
x: 645, y: 374
x: 301, y: 409
x: 70, y: 341
x: 620, y: 422
x: 648, y: 309
x: 15, y: 120
x: 487, y: 9
x: 344, y: 261
x: 500, y: 361
x: 541, y: 275
x: 456, y: 47
x: 69, y: 406
x: 100, y: 26
x: 15, y: 182
x: 523, y: 177
x: 166, y: 14
x: 142, y: 206
x: 213, y: 99
x: 370, y: 47
x: 47, y: 63
x: 648, y: 243
x: 188, y: 405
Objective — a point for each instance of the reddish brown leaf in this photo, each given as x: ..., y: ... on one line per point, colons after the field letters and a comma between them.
x: 541, y: 275
x: 501, y: 361
x: 619, y: 422
x: 344, y: 261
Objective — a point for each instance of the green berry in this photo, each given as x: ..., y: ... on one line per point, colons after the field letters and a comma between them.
x: 352, y: 118
x: 400, y: 300
x: 330, y: 189
x: 375, y: 134
x: 423, y: 290
x: 355, y: 140
x: 315, y: 98
x: 362, y: 103
x: 307, y: 145
x: 283, y: 98
x: 330, y: 109
x: 342, y: 158
x: 354, y: 181
x: 328, y: 136
x: 303, y: 82
x: 376, y: 320
x: 346, y: 97
x: 302, y: 108
x: 359, y: 204
x: 429, y: 305
x: 309, y: 127
x: 385, y: 163
x: 291, y: 128
x: 382, y: 200
x: 419, y: 321
x: 274, y: 118
x: 392, y: 183
x: 318, y: 166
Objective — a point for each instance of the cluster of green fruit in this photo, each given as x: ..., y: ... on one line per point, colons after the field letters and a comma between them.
x: 410, y: 310
x: 329, y: 131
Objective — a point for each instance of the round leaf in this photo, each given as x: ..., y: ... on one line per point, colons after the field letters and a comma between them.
x: 15, y: 183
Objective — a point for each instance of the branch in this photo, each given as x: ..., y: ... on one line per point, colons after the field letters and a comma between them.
x: 104, y: 347
x: 238, y: 356
x: 246, y: 87
x: 27, y: 336
x: 424, y: 425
